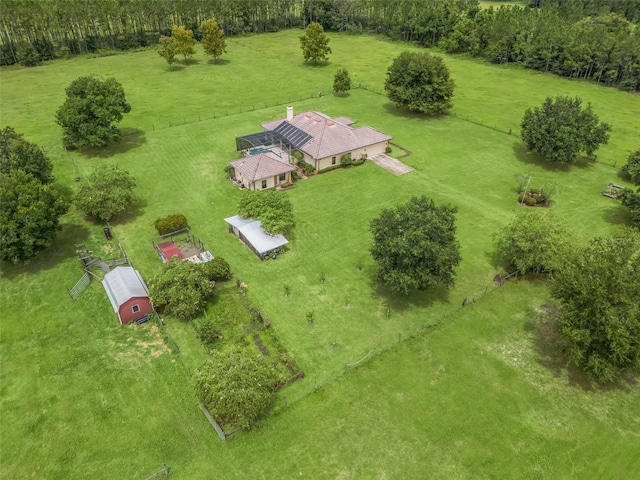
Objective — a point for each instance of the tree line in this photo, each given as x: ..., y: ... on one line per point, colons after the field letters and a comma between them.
x: 580, y: 38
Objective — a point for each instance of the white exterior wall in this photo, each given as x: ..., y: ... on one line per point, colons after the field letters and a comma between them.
x: 370, y: 150
x: 257, y: 185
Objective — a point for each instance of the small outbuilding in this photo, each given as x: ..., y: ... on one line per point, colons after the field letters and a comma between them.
x: 127, y: 293
x: 250, y: 231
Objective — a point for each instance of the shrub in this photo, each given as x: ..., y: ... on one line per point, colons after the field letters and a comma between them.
x: 307, y: 167
x: 298, y: 155
x: 286, y: 184
x: 170, y: 224
x: 207, y: 332
x: 345, y: 160
x: 357, y: 163
x: 294, y: 175
x: 530, y: 201
x: 217, y: 269
x: 388, y: 149
x: 521, y: 197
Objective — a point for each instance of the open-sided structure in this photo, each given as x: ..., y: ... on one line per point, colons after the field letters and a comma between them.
x: 250, y: 231
x: 127, y: 293
x: 321, y: 139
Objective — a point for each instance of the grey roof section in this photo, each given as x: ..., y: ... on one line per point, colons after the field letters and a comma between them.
x: 297, y: 138
x: 122, y: 284
x: 252, y: 230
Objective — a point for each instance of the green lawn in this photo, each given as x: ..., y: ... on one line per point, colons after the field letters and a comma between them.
x: 473, y: 397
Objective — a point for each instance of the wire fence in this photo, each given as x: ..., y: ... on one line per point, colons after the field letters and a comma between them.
x: 261, y: 105
x: 508, y: 130
x: 498, y: 281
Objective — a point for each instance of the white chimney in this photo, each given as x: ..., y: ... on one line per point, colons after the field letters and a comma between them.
x: 289, y: 113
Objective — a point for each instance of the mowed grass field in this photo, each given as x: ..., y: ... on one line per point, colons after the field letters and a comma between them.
x: 474, y: 396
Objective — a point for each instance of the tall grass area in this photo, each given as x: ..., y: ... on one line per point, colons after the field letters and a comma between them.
x: 456, y: 392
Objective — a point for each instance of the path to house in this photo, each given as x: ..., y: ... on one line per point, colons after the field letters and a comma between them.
x: 394, y: 165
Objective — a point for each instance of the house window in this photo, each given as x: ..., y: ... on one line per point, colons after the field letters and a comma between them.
x: 282, y: 177
x: 333, y: 160
x: 264, y: 184
x: 135, y: 308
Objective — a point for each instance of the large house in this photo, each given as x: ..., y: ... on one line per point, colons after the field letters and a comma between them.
x: 322, y: 140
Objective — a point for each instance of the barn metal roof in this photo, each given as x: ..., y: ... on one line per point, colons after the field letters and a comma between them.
x: 122, y: 284
x: 252, y: 230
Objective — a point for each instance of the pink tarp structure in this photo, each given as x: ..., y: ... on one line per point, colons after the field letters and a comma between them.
x: 169, y: 250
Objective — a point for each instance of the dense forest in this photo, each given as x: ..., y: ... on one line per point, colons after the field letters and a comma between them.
x: 590, y: 39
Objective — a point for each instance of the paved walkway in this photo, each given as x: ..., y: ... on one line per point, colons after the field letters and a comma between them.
x: 391, y: 164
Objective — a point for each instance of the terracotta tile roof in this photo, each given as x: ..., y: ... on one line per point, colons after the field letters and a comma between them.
x: 345, y: 120
x: 330, y: 136
x: 259, y: 167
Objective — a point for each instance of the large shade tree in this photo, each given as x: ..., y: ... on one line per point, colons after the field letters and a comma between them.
x: 90, y: 112
x: 18, y: 154
x: 272, y: 208
x: 415, y: 245
x: 420, y: 82
x: 598, y: 289
x: 236, y: 386
x: 315, y: 43
x: 29, y: 215
x: 632, y: 168
x: 181, y: 288
x: 106, y: 192
x: 561, y: 129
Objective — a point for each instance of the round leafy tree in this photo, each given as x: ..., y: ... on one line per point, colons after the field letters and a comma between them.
x: 341, y: 81
x: 29, y: 215
x: 561, y: 129
x: 534, y: 241
x: 420, y: 82
x: 236, y: 386
x: 107, y: 192
x: 315, y: 43
x: 88, y: 115
x: 415, y: 245
x: 598, y: 290
x: 631, y: 200
x: 18, y: 154
x: 181, y: 289
x: 271, y: 207
x: 632, y: 168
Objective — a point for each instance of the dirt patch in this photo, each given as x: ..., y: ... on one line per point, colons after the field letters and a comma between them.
x: 391, y: 164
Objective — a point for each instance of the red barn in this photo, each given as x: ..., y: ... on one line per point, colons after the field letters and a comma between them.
x: 127, y: 293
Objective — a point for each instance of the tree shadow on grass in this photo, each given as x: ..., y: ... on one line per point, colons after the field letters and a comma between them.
x: 131, y: 138
x: 617, y: 214
x: 134, y: 210
x: 63, y: 248
x: 320, y: 64
x: 220, y: 62
x: 400, y: 112
x: 399, y: 302
x: 552, y: 353
x: 532, y: 158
